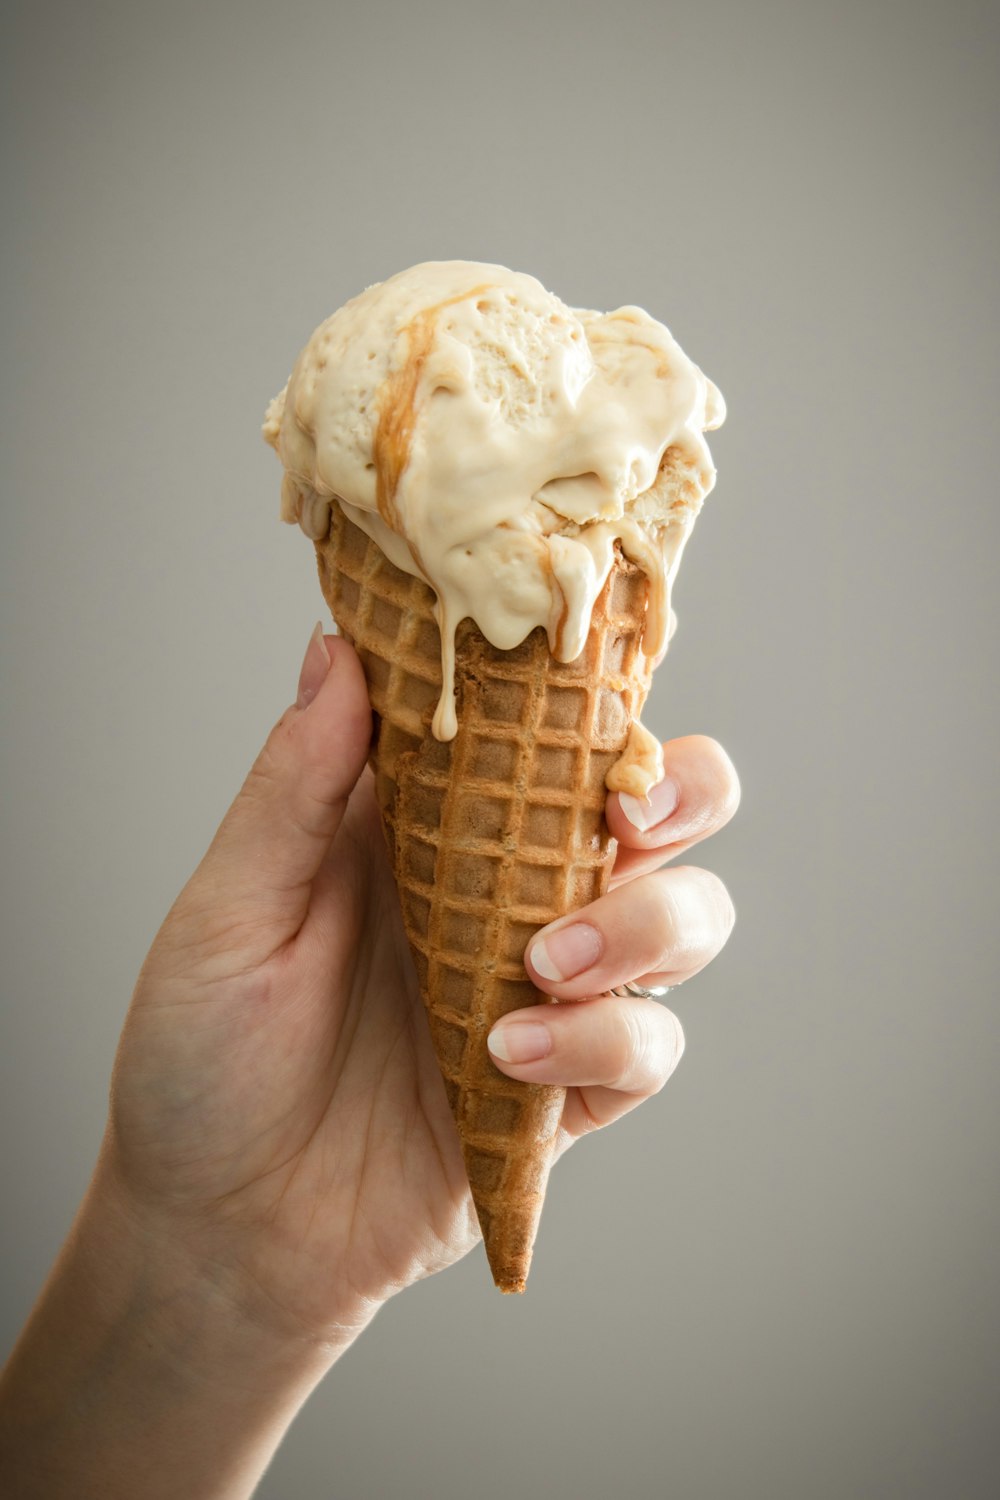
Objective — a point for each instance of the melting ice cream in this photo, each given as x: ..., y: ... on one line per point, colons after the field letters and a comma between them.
x: 499, y: 444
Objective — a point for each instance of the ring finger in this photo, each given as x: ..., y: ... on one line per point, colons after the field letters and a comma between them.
x: 608, y: 1054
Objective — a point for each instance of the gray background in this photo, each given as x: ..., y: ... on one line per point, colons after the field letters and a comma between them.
x: 778, y: 1279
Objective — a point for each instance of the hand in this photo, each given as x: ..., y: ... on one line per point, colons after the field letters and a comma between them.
x: 276, y: 1097
x: 280, y: 1157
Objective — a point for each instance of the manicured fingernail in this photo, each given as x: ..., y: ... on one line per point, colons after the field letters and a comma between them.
x: 566, y: 952
x: 520, y: 1041
x: 663, y: 800
x: 315, y: 666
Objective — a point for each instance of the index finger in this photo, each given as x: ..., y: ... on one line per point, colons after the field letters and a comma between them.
x: 698, y: 795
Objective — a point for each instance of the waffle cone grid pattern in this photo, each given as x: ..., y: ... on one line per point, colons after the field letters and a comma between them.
x: 491, y: 836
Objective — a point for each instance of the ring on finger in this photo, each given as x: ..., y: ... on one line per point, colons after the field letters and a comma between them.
x: 642, y: 991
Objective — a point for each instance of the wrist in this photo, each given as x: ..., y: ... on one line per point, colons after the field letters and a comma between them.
x: 241, y: 1268
x: 151, y: 1367
x: 198, y: 1290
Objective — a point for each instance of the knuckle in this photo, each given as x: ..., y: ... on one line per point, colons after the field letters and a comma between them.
x: 632, y: 1047
x: 724, y: 769
x: 696, y: 917
x: 264, y: 776
x: 666, y: 907
x: 722, y: 778
x: 651, y: 1046
x: 729, y: 800
x: 707, y: 747
x: 666, y: 1049
x: 679, y: 1039
x: 668, y: 921
x: 280, y: 777
x: 672, y: 1044
x: 725, y: 910
x: 717, y: 902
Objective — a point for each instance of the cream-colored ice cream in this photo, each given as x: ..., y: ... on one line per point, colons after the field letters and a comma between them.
x: 498, y: 444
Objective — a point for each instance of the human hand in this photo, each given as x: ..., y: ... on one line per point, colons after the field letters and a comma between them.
x: 280, y: 1157
x: 276, y: 1098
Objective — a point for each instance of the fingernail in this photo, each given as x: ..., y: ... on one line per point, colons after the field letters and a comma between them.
x: 663, y: 800
x: 315, y: 666
x: 566, y: 952
x: 520, y: 1041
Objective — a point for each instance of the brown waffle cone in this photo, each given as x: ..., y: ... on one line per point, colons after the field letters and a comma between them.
x: 491, y: 836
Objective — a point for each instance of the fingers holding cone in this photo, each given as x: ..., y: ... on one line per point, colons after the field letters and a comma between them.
x: 612, y: 1052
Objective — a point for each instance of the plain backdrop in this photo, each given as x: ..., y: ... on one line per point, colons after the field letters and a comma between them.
x: 778, y: 1279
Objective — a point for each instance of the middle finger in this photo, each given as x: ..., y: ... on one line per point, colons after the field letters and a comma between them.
x: 661, y: 927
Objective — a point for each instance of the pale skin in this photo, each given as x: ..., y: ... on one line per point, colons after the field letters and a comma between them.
x: 279, y: 1157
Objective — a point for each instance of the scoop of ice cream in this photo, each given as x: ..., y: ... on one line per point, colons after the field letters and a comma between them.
x: 499, y: 445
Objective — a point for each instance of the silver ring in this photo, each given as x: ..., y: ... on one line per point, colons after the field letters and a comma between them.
x: 641, y: 991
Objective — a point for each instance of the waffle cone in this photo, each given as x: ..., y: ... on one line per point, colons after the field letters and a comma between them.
x: 491, y: 835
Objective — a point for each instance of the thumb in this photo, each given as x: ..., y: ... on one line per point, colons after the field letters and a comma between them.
x: 257, y: 874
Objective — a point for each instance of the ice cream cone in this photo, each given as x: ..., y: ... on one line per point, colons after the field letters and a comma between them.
x: 491, y: 835
x: 499, y: 489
